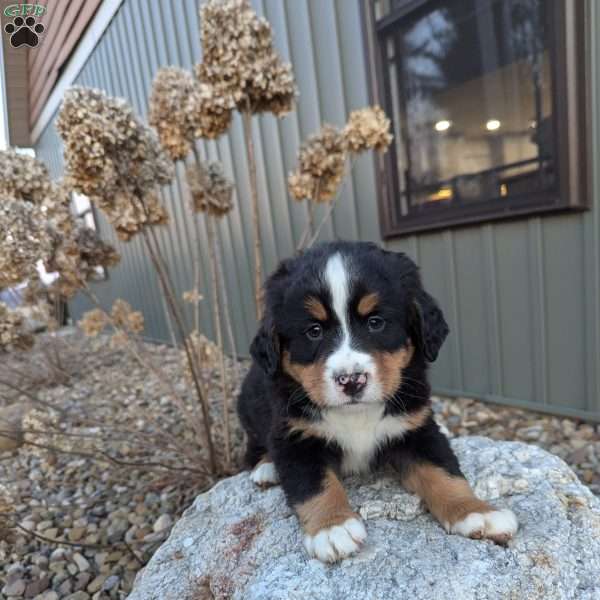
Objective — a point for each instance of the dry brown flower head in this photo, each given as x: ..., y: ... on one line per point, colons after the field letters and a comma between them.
x: 93, y: 322
x: 192, y: 296
x: 239, y: 60
x: 368, y: 128
x: 25, y: 239
x: 210, y: 190
x: 13, y: 333
x: 114, y: 158
x: 172, y: 103
x: 77, y: 257
x: 126, y: 318
x: 205, y: 351
x: 321, y: 166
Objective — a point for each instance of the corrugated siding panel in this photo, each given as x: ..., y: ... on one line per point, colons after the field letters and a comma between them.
x: 145, y: 35
x: 522, y: 298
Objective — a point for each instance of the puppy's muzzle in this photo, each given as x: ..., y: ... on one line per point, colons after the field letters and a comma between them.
x: 351, y: 384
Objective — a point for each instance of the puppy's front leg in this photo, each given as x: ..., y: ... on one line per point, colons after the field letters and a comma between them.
x: 332, y: 529
x: 430, y: 469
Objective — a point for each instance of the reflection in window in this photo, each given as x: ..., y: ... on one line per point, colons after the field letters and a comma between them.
x: 470, y: 93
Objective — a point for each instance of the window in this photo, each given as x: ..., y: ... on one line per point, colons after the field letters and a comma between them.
x: 487, y: 101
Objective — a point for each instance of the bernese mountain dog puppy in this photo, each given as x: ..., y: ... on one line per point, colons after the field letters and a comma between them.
x: 338, y: 385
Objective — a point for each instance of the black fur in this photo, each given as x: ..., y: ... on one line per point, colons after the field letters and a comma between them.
x: 270, y: 397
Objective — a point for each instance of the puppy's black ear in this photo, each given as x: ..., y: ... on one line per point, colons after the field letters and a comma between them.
x: 430, y: 325
x: 265, y: 348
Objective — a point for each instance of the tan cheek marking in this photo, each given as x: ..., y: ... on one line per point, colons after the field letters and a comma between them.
x: 448, y: 498
x: 367, y: 304
x: 326, y: 509
x: 315, y: 307
x: 390, y: 365
x: 309, y: 376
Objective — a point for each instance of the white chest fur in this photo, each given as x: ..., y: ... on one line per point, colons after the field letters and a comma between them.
x: 359, y: 431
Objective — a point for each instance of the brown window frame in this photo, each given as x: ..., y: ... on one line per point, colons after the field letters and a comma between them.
x: 571, y: 113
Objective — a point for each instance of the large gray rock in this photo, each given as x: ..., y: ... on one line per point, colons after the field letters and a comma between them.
x: 239, y: 543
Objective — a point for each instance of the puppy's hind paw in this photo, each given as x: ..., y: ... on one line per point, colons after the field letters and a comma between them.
x: 264, y: 474
x: 335, y: 543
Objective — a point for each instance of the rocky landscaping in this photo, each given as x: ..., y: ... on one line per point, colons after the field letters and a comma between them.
x: 238, y: 542
x: 85, y: 525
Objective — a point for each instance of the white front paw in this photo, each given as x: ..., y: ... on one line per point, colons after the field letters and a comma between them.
x: 337, y: 542
x: 265, y: 474
x: 497, y: 525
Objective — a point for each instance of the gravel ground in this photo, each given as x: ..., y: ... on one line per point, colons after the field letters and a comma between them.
x: 111, y: 518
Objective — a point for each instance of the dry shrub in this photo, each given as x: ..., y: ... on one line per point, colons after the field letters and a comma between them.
x: 113, y: 158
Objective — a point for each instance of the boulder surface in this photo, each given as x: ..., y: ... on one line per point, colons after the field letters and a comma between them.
x: 238, y: 542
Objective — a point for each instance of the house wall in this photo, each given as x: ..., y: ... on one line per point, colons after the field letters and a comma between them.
x: 522, y: 297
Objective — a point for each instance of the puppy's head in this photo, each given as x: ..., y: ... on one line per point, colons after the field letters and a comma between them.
x: 344, y: 320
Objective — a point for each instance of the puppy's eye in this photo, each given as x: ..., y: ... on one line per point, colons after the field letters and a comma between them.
x: 375, y: 324
x: 314, y: 332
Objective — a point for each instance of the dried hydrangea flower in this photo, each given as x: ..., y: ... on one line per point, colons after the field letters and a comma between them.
x: 192, y: 296
x: 212, y: 112
x: 93, y: 322
x: 130, y: 213
x: 113, y: 158
x: 210, y: 190
x: 172, y: 103
x: 77, y: 257
x: 23, y: 177
x: 57, y: 207
x: 321, y: 166
x: 206, y: 352
x: 25, y: 239
x: 13, y: 334
x: 126, y: 318
x: 368, y: 128
x: 239, y: 59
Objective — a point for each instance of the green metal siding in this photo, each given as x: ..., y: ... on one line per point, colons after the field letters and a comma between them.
x: 522, y: 297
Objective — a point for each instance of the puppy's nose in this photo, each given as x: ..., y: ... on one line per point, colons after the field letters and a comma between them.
x: 351, y: 383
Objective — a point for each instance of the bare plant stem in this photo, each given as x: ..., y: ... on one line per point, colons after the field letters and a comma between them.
x: 34, y: 399
x: 197, y: 251
x: 308, y: 230
x: 212, y: 252
x: 258, y: 276
x: 227, y: 313
x: 189, y: 351
x: 168, y: 320
x: 332, y: 204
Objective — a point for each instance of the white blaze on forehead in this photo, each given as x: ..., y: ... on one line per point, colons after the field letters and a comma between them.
x: 345, y: 359
x: 337, y: 277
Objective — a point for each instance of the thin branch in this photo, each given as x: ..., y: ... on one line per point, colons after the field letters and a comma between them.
x: 34, y: 399
x: 48, y: 540
x: 212, y: 242
x: 308, y: 230
x: 332, y: 204
x: 189, y: 350
x: 248, y: 142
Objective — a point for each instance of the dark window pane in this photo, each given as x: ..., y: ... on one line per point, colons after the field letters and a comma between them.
x: 471, y: 100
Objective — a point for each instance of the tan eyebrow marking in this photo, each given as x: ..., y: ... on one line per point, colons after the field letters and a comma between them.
x: 315, y: 307
x: 367, y: 304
